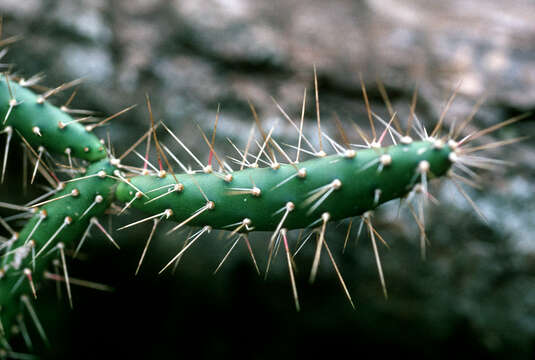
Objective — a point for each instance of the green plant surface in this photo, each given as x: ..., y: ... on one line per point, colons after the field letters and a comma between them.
x: 63, y: 219
x: 343, y: 185
x: 43, y: 124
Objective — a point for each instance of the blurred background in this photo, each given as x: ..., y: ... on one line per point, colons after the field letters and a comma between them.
x: 473, y: 297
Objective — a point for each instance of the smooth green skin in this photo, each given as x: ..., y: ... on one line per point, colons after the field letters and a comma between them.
x: 57, y: 211
x: 355, y: 197
x: 29, y: 113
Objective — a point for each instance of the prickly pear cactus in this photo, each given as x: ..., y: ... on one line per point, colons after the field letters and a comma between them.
x: 343, y: 185
x: 277, y: 198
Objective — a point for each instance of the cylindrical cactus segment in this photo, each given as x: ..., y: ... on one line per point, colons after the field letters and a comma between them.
x: 58, y: 221
x: 343, y: 185
x: 43, y: 124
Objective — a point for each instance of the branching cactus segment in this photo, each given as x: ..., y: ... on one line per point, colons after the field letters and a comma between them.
x: 57, y: 222
x: 293, y: 196
x: 42, y: 124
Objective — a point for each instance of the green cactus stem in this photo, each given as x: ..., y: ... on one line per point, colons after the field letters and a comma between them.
x: 58, y: 222
x: 43, y: 124
x: 342, y: 185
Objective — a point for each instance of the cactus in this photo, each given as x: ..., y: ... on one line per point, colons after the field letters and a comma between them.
x: 343, y: 185
x: 57, y: 222
x: 277, y: 198
x: 43, y: 125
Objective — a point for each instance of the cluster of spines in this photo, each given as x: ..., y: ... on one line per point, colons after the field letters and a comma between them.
x: 309, y: 194
x: 281, y: 197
